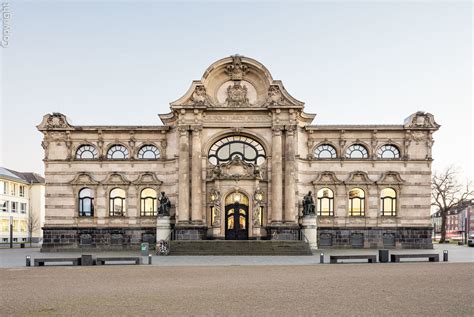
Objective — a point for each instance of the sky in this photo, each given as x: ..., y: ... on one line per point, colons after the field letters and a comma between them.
x: 123, y: 62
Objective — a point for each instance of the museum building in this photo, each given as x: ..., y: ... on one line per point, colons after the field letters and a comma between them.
x: 236, y: 156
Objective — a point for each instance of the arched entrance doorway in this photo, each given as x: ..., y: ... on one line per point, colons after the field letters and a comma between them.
x: 236, y: 216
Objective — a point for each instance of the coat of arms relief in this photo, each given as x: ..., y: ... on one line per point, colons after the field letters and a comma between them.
x: 237, y: 95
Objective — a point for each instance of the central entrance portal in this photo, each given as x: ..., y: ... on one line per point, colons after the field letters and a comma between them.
x: 236, y: 216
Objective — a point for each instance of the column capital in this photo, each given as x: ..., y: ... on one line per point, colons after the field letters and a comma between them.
x: 183, y: 130
x: 290, y: 129
x: 277, y: 130
x: 196, y: 130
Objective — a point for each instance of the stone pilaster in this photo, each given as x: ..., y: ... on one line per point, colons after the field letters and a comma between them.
x: 290, y: 210
x: 183, y: 175
x: 196, y: 177
x: 277, y: 180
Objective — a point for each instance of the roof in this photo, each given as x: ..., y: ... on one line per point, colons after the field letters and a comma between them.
x: 8, y: 174
x: 455, y: 210
x: 28, y: 177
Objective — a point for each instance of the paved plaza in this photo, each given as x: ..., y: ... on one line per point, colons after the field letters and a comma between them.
x: 405, y: 289
x: 16, y: 257
x: 240, y: 285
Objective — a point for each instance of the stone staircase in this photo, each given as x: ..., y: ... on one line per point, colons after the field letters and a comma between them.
x: 239, y: 247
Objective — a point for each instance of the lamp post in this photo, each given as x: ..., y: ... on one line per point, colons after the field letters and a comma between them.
x: 11, y: 232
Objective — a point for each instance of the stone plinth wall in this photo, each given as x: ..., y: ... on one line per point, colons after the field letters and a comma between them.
x: 57, y: 239
x: 375, y: 238
x: 190, y: 233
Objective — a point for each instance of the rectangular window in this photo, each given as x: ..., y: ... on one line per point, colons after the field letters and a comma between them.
x: 13, y: 190
x: 15, y: 239
x: 4, y: 205
x: 23, y: 208
x: 3, y: 187
x: 16, y: 225
x: 14, y: 206
x: 23, y: 239
x: 23, y: 225
x: 22, y: 191
x: 5, y: 225
x: 5, y: 239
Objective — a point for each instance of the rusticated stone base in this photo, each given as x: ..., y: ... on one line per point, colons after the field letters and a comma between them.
x: 59, y: 239
x: 375, y: 238
x: 190, y: 232
x: 283, y: 232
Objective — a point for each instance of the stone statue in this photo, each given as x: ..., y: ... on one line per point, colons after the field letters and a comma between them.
x: 165, y: 205
x: 308, y: 205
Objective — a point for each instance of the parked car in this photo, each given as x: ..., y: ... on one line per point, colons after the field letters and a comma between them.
x: 470, y: 240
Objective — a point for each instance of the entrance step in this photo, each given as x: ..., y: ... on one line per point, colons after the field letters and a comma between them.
x: 239, y: 247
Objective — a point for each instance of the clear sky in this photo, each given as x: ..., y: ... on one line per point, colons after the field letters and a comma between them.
x: 122, y: 62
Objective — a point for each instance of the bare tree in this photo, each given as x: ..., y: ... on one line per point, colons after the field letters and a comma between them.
x: 33, y: 224
x: 448, y: 193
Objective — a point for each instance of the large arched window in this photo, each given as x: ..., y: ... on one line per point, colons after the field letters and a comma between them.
x: 325, y: 202
x: 356, y: 202
x: 245, y: 148
x: 388, y: 151
x: 86, y: 152
x: 357, y: 151
x: 325, y: 151
x: 86, y: 202
x: 148, y: 205
x: 149, y: 152
x: 388, y: 202
x: 117, y: 202
x: 117, y: 152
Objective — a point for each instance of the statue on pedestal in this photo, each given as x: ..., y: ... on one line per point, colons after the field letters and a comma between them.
x: 308, y: 205
x: 165, y: 205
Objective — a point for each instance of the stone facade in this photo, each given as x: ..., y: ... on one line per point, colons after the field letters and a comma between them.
x: 237, y: 133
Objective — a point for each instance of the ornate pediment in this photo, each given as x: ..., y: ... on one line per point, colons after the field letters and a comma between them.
x: 420, y: 120
x: 84, y: 178
x: 147, y: 178
x: 390, y: 178
x: 358, y: 177
x: 235, y: 82
x: 326, y: 177
x: 54, y: 121
x: 115, y: 178
x: 236, y: 169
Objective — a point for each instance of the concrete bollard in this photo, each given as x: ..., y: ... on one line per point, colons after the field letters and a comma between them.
x: 28, y: 260
x: 149, y: 259
x: 321, y: 258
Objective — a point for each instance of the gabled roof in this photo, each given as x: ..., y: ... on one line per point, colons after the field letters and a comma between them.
x: 28, y: 177
x: 8, y: 174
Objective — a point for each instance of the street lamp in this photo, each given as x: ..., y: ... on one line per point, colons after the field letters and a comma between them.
x: 11, y: 232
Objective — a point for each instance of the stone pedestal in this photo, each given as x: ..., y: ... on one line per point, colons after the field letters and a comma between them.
x: 310, y: 232
x: 163, y: 228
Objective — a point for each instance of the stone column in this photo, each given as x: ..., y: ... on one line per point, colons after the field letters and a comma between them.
x: 277, y: 182
x: 183, y: 175
x: 290, y: 214
x: 196, y: 175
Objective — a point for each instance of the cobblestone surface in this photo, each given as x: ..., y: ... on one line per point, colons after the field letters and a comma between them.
x: 405, y: 289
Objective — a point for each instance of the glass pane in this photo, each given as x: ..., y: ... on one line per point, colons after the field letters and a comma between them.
x: 242, y: 222
x: 230, y: 223
x: 148, y: 192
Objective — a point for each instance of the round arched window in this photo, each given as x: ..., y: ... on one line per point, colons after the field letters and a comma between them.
x: 388, y: 151
x: 149, y: 152
x: 117, y: 152
x: 86, y: 152
x: 357, y: 151
x: 228, y: 148
x: 325, y: 151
